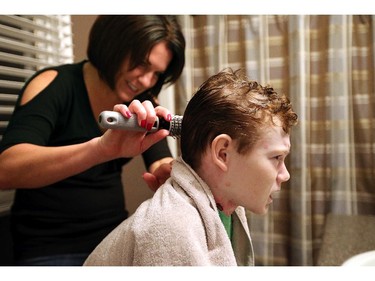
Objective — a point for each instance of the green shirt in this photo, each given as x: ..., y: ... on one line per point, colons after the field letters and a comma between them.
x: 227, y: 221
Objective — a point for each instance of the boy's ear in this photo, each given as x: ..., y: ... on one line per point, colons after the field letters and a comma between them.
x: 220, y: 149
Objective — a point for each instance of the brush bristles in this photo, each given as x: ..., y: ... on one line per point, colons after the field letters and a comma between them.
x: 175, y: 126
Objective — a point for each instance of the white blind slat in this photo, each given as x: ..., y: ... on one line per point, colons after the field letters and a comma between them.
x: 11, y: 58
x: 6, y: 109
x: 24, y: 35
x: 6, y: 98
x: 53, y: 20
x: 16, y: 72
x: 32, y: 50
x: 25, y: 23
x: 11, y: 84
x: 3, y: 124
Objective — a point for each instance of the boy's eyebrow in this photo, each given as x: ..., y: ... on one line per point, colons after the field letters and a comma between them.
x: 284, y: 151
x: 287, y: 150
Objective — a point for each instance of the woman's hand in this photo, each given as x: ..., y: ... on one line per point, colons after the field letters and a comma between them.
x: 121, y: 143
x: 160, y: 171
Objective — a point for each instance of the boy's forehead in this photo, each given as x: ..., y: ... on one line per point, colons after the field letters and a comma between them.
x: 274, y: 137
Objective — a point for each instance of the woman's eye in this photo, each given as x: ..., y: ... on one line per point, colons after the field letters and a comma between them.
x: 144, y: 65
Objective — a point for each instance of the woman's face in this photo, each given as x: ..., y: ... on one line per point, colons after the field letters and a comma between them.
x: 130, y: 83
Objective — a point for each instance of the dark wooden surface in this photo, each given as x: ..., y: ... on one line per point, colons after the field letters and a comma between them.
x: 346, y: 236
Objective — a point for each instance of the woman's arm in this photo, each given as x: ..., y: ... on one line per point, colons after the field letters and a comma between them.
x: 31, y: 166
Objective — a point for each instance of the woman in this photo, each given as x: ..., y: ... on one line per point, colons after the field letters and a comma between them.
x: 67, y: 171
x: 234, y: 141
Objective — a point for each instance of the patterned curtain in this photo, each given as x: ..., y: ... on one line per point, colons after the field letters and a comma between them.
x: 325, y: 64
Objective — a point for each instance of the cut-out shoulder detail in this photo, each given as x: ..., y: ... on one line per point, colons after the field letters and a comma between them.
x: 38, y: 83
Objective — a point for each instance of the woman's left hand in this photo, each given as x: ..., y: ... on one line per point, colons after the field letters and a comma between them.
x: 158, y: 175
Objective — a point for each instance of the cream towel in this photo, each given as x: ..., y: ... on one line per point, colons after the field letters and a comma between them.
x: 180, y: 226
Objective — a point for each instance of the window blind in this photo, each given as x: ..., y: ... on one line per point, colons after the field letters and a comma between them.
x: 27, y: 44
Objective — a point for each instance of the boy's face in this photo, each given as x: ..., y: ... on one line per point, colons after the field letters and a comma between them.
x: 255, y: 176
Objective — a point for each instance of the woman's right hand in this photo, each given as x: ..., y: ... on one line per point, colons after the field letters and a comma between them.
x: 116, y: 143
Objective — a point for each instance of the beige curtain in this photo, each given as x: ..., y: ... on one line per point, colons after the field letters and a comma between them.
x: 325, y: 64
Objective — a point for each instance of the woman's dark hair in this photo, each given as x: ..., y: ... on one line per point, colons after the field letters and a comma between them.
x: 115, y: 38
x: 229, y: 103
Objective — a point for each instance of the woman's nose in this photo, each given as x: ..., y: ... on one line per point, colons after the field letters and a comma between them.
x: 147, y: 80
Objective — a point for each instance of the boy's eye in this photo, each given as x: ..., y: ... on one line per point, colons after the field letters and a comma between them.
x: 279, y: 157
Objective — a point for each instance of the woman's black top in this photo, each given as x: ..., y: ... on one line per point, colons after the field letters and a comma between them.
x: 75, y: 214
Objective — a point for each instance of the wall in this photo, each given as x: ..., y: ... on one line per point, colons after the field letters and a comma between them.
x: 136, y: 191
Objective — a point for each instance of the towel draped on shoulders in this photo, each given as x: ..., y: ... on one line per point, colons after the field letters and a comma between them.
x: 179, y: 225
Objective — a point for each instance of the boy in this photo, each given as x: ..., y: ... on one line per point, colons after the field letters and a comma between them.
x: 234, y: 140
